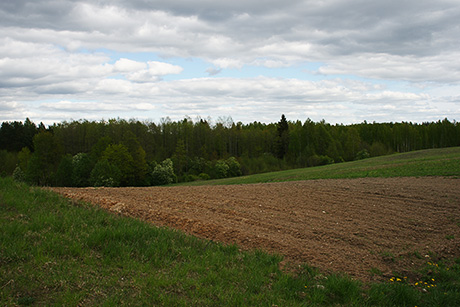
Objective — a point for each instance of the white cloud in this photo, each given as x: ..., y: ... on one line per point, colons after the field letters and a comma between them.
x: 126, y: 65
x: 163, y: 69
x: 383, y: 60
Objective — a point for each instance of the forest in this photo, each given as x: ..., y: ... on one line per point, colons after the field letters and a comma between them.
x: 120, y: 152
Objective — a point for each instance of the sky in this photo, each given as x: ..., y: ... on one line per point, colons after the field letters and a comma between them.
x: 342, y: 61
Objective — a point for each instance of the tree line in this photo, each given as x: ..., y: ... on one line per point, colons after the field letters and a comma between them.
x: 118, y: 152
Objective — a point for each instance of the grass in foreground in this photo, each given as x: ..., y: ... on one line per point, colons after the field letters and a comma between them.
x: 430, y: 162
x: 55, y: 252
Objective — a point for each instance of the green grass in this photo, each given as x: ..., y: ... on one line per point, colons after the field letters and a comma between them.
x: 431, y: 162
x: 57, y: 252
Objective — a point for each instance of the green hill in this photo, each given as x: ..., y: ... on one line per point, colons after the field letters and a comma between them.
x: 430, y: 162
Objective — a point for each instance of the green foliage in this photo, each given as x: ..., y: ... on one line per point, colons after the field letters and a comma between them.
x: 163, y: 173
x: 431, y: 162
x: 23, y: 157
x: 196, y: 146
x: 220, y: 170
x: 8, y: 162
x: 316, y: 160
x: 226, y: 168
x: 19, y: 175
x: 98, y: 149
x: 105, y: 174
x: 179, y: 158
x: 44, y: 161
x: 16, y: 135
x: 204, y: 176
x: 363, y: 154
x: 64, y: 172
x: 139, y: 165
x: 378, y: 149
x: 82, y: 165
x: 282, y: 138
x: 234, y: 167
x: 119, y: 156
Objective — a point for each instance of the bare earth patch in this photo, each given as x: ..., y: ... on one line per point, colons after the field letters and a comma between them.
x: 353, y: 226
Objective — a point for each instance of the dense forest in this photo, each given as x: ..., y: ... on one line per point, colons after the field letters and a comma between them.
x: 133, y: 153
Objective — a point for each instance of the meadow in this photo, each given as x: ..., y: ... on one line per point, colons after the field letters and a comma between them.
x: 429, y: 162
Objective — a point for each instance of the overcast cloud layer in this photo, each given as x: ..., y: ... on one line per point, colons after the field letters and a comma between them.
x: 342, y: 61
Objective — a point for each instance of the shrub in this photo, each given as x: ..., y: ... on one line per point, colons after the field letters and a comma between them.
x: 163, y: 173
x: 19, y: 175
x: 204, y: 176
x: 316, y: 160
x: 363, y: 154
x: 234, y: 167
x: 221, y: 169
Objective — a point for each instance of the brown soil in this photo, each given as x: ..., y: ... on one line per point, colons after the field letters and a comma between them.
x: 356, y: 226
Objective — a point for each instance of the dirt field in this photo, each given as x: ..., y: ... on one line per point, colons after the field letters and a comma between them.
x: 354, y: 226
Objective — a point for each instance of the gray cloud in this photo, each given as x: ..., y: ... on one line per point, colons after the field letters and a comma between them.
x: 209, y: 28
x: 57, y: 51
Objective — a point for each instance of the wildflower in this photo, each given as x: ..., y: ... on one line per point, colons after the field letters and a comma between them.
x: 416, y: 283
x: 398, y: 279
x: 432, y: 279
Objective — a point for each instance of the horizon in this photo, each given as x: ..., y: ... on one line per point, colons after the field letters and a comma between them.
x: 227, y: 121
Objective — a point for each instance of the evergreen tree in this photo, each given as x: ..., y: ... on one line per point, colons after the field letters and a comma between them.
x: 282, y: 138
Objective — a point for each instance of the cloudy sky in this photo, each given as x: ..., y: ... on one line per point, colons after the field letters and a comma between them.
x: 344, y: 61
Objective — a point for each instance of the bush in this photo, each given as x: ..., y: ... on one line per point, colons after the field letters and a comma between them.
x: 363, y: 154
x: 234, y: 167
x: 220, y: 169
x: 204, y: 176
x: 316, y: 160
x: 19, y: 175
x: 163, y: 173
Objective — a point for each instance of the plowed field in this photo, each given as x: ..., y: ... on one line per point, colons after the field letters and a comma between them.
x: 354, y: 226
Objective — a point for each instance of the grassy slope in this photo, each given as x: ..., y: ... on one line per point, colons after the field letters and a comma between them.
x: 432, y: 162
x: 55, y: 252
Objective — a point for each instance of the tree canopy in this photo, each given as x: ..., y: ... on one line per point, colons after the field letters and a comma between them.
x: 120, y: 152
